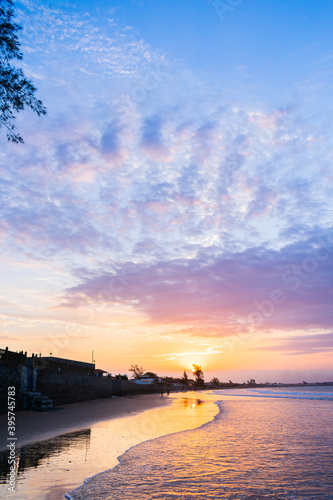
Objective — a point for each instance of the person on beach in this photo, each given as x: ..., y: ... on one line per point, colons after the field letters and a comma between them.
x: 162, y: 392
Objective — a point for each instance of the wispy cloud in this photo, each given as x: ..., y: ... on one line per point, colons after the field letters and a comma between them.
x: 175, y: 355
x: 215, y: 296
x: 303, y: 344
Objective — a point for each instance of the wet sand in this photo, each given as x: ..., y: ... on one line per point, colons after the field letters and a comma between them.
x: 58, y: 450
x: 34, y: 426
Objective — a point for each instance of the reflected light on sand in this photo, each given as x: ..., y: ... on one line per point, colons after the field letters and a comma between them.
x: 51, y: 468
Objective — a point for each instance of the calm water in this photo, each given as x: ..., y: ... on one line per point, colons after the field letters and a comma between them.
x: 264, y: 444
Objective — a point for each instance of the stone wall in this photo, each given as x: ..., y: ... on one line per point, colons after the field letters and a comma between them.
x: 126, y: 387
x: 63, y: 388
x: 10, y: 375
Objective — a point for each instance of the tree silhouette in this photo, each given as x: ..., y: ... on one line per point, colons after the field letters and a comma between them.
x: 137, y: 371
x: 215, y: 382
x: 185, y: 379
x: 199, y: 378
x: 16, y: 91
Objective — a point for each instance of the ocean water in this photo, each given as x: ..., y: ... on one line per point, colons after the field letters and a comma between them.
x: 47, y: 470
x: 263, y: 444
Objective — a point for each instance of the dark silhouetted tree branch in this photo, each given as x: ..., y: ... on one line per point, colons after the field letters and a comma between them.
x: 137, y: 371
x: 16, y: 91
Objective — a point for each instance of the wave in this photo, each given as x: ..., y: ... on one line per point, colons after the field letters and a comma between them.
x: 234, y: 456
x: 263, y: 393
x: 210, y: 417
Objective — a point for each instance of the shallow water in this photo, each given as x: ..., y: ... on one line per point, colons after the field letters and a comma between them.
x: 47, y: 470
x: 264, y: 444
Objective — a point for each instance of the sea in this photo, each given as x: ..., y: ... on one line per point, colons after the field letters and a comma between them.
x: 264, y: 443
x: 240, y: 444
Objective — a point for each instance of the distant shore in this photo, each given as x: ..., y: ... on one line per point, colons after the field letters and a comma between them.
x: 32, y: 426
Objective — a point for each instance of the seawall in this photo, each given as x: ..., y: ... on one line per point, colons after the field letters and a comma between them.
x: 62, y: 388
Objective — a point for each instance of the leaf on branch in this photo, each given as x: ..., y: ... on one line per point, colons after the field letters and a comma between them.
x: 16, y: 91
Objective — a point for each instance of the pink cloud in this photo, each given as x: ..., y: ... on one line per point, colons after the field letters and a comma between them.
x: 259, y: 288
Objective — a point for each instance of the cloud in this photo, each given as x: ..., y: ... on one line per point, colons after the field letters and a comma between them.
x: 110, y: 140
x: 208, y: 352
x: 200, y: 214
x: 257, y: 289
x: 152, y: 137
x: 190, y: 180
x: 303, y: 344
x: 92, y: 177
x: 10, y: 337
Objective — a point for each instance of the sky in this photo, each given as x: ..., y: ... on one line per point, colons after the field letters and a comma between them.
x: 174, y: 206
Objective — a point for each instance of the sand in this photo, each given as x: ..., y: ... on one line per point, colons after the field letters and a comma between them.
x: 66, y: 446
x: 34, y: 426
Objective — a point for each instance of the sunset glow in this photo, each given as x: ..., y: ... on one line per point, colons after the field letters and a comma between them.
x: 174, y: 206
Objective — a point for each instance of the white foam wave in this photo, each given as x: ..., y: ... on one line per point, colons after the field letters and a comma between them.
x: 277, y: 394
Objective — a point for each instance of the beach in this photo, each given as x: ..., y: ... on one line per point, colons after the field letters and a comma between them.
x: 32, y: 426
x: 244, y: 444
x: 59, y: 449
x: 264, y: 444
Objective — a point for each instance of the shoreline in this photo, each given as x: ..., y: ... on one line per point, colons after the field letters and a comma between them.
x: 197, y: 412
x: 33, y: 427
x: 215, y: 461
x: 60, y: 460
x: 76, y: 493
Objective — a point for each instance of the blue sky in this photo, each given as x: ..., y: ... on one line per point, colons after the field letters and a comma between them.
x: 277, y: 44
x: 175, y: 204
